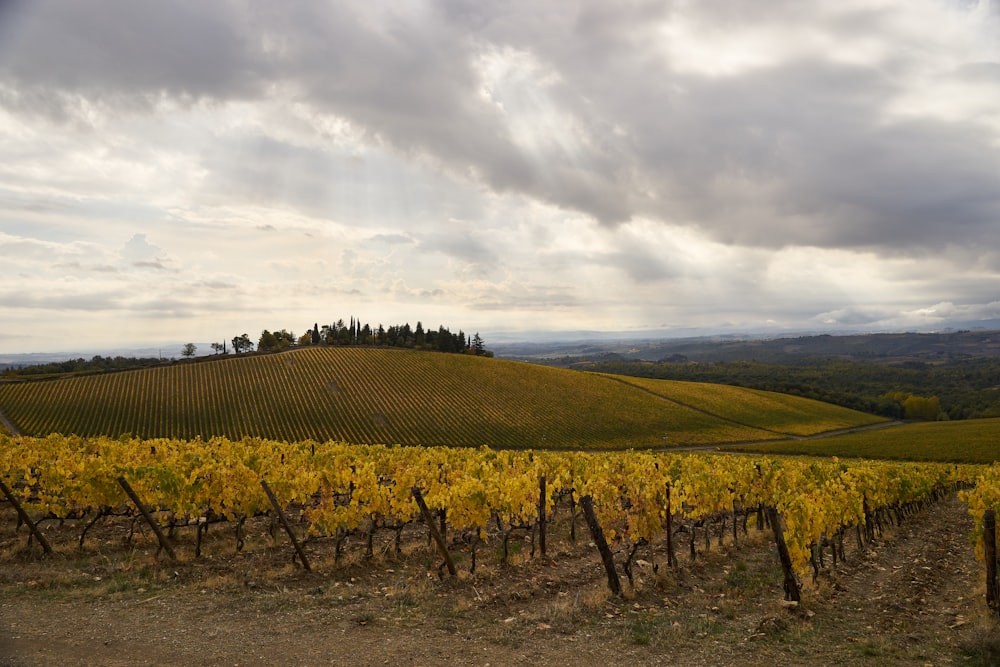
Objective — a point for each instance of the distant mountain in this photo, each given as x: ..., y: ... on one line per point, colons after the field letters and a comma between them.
x: 873, y: 347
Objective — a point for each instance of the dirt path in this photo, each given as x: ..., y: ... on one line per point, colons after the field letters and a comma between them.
x: 7, y: 424
x: 914, y: 598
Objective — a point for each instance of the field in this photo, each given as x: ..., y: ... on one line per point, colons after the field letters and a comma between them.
x: 881, y: 552
x: 780, y: 413
x: 971, y: 441
x: 914, y: 598
x: 373, y: 395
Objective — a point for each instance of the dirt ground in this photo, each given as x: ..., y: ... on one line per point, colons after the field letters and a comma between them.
x: 914, y: 597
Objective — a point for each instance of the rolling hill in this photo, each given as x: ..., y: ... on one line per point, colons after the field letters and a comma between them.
x: 970, y: 441
x: 393, y: 396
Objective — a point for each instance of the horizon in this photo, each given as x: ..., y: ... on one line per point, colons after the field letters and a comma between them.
x: 171, y: 351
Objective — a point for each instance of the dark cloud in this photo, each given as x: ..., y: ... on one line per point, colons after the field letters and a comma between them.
x: 458, y: 244
x: 126, y: 50
x: 799, y: 152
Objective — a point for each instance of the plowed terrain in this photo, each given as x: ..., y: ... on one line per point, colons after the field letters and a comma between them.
x: 915, y: 597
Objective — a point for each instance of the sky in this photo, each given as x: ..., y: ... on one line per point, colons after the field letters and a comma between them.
x: 192, y: 171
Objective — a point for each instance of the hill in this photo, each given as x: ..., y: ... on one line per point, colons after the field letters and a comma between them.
x: 384, y: 395
x: 973, y: 441
x: 882, y: 348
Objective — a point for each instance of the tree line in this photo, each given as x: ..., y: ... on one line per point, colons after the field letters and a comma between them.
x: 95, y: 364
x: 356, y: 333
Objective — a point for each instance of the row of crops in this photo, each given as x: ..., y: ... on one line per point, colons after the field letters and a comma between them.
x: 400, y: 396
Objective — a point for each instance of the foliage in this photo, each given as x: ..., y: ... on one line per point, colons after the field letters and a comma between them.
x: 93, y: 365
x: 342, y: 486
x: 242, y: 344
x: 279, y: 340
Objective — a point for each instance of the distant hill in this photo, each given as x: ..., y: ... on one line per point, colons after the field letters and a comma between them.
x: 876, y: 347
x: 394, y: 396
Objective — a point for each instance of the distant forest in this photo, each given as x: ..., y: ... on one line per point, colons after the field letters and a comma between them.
x: 81, y: 366
x: 964, y: 389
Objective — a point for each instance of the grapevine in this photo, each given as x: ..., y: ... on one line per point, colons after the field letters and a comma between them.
x: 344, y: 488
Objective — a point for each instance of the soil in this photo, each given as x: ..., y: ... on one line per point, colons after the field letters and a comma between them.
x: 914, y: 596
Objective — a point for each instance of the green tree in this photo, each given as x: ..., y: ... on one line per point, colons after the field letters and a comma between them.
x: 267, y: 341
x: 419, y: 338
x: 242, y: 344
x: 918, y: 407
x: 189, y: 350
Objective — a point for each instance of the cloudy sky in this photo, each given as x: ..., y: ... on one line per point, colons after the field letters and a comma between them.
x: 189, y: 171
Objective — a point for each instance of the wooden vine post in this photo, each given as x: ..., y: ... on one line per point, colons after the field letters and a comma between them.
x: 25, y: 518
x: 990, y: 556
x: 791, y: 583
x: 435, y: 533
x: 286, y: 525
x: 541, y: 514
x: 134, y: 497
x: 671, y: 558
x: 614, y: 583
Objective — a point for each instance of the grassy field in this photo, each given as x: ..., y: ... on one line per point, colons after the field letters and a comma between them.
x: 378, y: 395
x: 781, y: 413
x: 971, y: 441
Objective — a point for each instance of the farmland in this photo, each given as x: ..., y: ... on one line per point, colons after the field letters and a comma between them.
x: 366, y: 395
x: 781, y: 413
x: 718, y: 601
x: 971, y: 441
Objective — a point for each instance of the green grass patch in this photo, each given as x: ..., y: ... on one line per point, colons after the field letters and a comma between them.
x: 968, y: 441
x: 768, y: 410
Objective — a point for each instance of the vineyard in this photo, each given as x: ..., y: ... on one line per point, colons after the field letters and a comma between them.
x: 781, y: 413
x: 969, y: 441
x: 377, y: 395
x: 334, y: 490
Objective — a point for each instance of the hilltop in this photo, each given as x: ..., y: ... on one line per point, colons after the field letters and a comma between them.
x: 398, y: 396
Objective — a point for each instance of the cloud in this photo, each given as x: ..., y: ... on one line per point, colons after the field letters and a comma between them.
x: 187, y: 50
x: 786, y: 139
x: 829, y: 163
x: 458, y: 243
x: 140, y: 253
x: 392, y: 239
